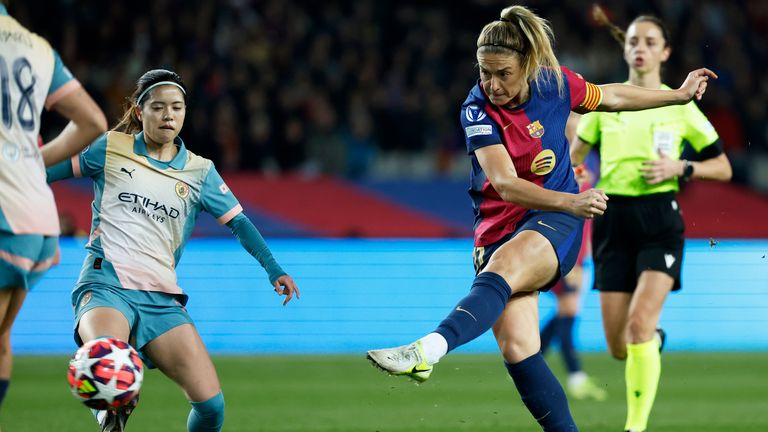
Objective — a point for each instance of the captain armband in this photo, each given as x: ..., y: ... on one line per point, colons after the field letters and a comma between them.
x: 592, y: 98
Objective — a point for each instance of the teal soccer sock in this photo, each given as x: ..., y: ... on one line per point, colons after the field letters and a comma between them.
x: 206, y: 416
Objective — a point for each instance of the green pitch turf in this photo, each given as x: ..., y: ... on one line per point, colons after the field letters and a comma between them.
x: 702, y: 392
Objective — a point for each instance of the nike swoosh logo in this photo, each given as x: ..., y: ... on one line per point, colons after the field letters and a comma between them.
x: 461, y: 309
x: 543, y: 224
x: 417, y: 370
x: 505, y: 127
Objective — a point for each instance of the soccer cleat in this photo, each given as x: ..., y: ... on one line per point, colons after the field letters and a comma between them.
x: 115, y: 420
x: 661, y: 336
x: 408, y: 360
x: 587, y: 389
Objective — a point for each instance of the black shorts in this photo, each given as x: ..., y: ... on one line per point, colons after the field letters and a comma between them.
x: 637, y: 234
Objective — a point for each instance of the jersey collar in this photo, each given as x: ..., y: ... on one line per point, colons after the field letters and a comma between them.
x: 3, y: 10
x: 178, y: 162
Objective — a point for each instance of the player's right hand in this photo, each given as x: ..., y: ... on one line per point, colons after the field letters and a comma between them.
x: 284, y: 285
x: 590, y: 203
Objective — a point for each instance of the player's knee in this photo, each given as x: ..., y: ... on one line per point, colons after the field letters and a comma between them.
x: 638, y: 330
x: 515, y: 350
x: 207, y: 416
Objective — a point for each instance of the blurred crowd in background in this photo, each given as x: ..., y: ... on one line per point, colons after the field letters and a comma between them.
x: 372, y: 89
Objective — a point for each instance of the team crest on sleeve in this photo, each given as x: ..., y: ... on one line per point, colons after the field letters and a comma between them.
x: 223, y: 188
x: 474, y: 113
x: 535, y: 129
x: 543, y: 163
x: 182, y: 190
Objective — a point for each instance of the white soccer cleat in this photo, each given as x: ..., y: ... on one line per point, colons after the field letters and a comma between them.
x: 408, y: 360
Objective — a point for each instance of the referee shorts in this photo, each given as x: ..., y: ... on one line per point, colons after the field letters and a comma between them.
x: 634, y: 235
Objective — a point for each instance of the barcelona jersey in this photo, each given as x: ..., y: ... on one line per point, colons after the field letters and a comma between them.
x: 534, y: 135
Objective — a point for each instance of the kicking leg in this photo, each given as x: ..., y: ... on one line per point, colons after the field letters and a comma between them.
x: 523, y: 264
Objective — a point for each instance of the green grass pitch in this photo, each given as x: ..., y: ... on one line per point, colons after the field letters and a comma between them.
x: 701, y: 392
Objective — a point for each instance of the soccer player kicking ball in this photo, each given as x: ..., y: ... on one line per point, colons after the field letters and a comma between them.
x: 528, y: 211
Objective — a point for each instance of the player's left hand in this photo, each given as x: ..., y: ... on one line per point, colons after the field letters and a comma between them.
x: 284, y: 285
x: 656, y: 171
x: 695, y: 83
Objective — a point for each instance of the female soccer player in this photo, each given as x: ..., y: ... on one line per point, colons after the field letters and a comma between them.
x: 636, y: 269
x: 528, y: 212
x: 149, y: 190
x: 33, y: 77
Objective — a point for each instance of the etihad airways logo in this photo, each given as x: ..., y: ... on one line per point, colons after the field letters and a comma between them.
x: 144, y: 205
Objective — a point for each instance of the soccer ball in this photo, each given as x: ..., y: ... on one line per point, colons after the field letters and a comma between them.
x: 105, y: 373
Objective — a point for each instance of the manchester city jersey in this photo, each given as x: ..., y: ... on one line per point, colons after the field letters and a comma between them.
x: 144, y: 210
x: 534, y: 135
x: 32, y: 76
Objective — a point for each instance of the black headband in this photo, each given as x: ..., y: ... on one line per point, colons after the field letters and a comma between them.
x: 502, y: 46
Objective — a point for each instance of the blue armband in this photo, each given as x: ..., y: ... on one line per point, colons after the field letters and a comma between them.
x: 254, y: 243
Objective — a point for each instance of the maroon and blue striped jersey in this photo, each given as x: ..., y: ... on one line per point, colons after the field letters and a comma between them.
x: 534, y: 135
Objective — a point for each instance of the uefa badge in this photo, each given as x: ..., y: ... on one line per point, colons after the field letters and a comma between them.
x: 535, y: 129
x: 182, y: 190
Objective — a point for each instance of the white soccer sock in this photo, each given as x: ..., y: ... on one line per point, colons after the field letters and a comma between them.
x: 435, y: 347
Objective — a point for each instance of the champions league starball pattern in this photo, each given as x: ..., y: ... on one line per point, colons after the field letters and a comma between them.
x: 105, y: 373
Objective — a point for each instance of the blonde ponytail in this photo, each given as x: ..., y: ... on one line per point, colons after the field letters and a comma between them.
x: 527, y: 34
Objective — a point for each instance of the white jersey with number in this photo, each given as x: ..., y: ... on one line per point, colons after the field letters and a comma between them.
x: 32, y: 76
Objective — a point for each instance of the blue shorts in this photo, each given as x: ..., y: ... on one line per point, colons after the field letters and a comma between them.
x: 24, y: 258
x: 149, y: 314
x: 564, y: 232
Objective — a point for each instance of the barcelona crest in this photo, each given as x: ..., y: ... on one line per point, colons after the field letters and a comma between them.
x: 535, y: 129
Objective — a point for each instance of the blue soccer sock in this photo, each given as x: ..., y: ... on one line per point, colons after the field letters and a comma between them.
x: 548, y: 333
x: 476, y: 312
x: 4, y: 383
x: 567, y: 347
x: 206, y: 416
x: 542, y: 394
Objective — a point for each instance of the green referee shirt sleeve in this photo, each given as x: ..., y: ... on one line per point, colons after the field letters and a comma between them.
x: 588, y: 129
x: 699, y: 131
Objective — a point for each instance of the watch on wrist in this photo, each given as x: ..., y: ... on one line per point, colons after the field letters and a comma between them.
x: 687, y: 170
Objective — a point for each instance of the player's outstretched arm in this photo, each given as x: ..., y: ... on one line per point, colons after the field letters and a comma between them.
x: 87, y: 122
x: 625, y: 97
x: 254, y: 243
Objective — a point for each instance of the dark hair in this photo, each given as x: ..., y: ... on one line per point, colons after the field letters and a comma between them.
x: 129, y: 123
x: 620, y: 35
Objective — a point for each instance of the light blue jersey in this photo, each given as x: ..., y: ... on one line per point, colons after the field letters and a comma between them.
x: 144, y: 210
